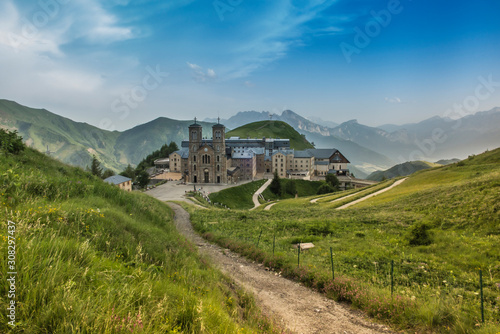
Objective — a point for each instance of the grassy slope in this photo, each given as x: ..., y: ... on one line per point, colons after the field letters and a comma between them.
x: 271, y: 129
x: 303, y: 187
x: 461, y: 205
x: 403, y: 169
x: 94, y: 259
x: 239, y: 197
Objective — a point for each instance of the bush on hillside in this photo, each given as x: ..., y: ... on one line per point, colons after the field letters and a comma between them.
x: 419, y: 235
x: 325, y: 189
x: 10, y: 142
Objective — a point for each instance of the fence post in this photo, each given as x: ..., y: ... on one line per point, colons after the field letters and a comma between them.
x: 331, y: 258
x: 392, y: 277
x: 298, y: 255
x: 482, y: 299
x: 274, y: 240
x: 258, y: 240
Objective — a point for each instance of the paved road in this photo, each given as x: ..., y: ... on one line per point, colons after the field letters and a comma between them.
x: 255, y: 197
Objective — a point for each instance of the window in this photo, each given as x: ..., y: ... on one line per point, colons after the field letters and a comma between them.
x: 218, y: 168
x: 195, y: 135
x: 194, y: 168
x: 194, y: 158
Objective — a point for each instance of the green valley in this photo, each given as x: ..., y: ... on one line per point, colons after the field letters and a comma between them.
x: 91, y: 258
x: 435, y: 232
x: 75, y: 143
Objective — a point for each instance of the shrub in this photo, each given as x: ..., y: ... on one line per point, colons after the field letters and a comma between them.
x: 325, y: 189
x: 10, y: 142
x: 419, y: 235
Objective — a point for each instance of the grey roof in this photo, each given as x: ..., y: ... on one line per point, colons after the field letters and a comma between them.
x: 322, y: 153
x: 117, y: 179
x: 303, y: 154
x: 195, y: 125
x: 183, y: 153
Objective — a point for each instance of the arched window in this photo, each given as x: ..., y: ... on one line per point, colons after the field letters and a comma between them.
x: 195, y: 135
x: 218, y: 158
x: 194, y: 158
x: 208, y: 159
x: 218, y: 168
x: 194, y: 168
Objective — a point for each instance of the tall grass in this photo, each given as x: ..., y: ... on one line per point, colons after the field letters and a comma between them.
x: 91, y: 258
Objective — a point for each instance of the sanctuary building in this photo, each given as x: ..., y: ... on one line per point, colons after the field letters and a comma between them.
x: 221, y: 160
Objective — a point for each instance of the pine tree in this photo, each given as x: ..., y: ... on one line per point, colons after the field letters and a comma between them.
x: 107, y: 173
x: 95, y: 167
x: 275, y: 185
x: 128, y: 172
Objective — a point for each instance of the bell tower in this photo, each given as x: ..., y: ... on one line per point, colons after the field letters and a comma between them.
x: 195, y: 140
x: 219, y: 146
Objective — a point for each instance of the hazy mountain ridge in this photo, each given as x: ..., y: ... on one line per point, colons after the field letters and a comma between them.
x: 75, y: 143
x: 368, y: 148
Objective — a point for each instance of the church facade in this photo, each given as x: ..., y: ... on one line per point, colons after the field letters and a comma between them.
x: 221, y: 160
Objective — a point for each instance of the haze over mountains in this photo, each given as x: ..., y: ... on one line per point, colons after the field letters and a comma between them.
x: 382, y: 147
x: 368, y: 148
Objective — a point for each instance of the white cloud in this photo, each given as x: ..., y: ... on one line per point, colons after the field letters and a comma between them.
x: 200, y: 75
x: 393, y: 100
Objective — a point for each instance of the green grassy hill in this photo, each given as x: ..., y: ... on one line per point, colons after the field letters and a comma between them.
x: 239, y: 197
x: 75, y: 143
x: 91, y: 258
x: 403, y: 169
x: 439, y: 228
x: 271, y: 129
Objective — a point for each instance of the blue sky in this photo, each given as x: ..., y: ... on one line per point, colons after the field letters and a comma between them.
x: 119, y: 63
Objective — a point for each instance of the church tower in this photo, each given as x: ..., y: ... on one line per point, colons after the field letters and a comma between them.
x: 195, y: 140
x: 219, y: 146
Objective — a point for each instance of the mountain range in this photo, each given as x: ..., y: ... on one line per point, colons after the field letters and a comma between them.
x: 378, y: 148
x: 368, y: 148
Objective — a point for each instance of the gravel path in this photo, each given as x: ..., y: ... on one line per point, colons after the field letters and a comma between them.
x: 397, y: 183
x: 300, y: 309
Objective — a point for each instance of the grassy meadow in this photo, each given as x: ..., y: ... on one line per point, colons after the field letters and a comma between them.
x: 237, y: 197
x: 439, y: 228
x: 91, y: 258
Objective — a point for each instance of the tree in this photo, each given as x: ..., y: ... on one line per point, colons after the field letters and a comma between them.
x: 129, y: 172
x: 275, y: 185
x: 95, y: 167
x: 143, y: 179
x: 107, y: 173
x: 291, y: 187
x: 325, y: 189
x: 332, y: 180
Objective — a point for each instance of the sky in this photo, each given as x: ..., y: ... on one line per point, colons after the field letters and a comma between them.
x: 119, y: 63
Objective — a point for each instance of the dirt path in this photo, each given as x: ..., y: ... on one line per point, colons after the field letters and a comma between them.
x: 300, y: 309
x: 397, y: 183
x: 255, y: 197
